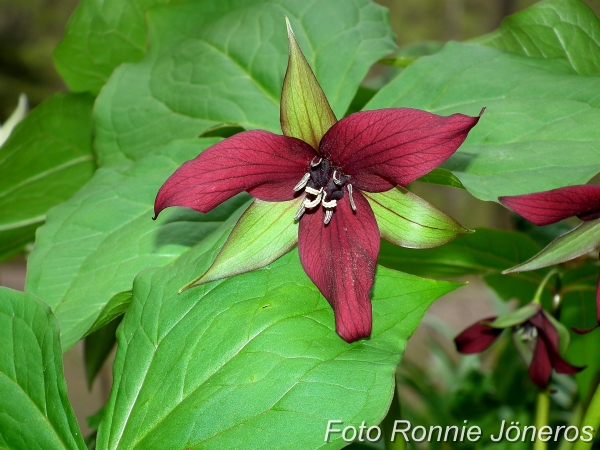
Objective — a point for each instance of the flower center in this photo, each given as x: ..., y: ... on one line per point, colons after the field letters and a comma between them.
x: 527, y: 332
x: 324, y: 185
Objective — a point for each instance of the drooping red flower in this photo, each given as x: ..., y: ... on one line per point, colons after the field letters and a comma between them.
x: 370, y: 151
x: 545, y: 208
x: 546, y: 356
x: 548, y: 207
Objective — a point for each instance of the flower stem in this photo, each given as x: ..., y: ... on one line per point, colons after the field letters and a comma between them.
x: 537, y: 298
x: 388, y: 425
x: 542, y: 410
x: 590, y: 419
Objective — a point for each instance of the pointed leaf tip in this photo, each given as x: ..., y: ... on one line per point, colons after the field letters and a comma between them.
x: 305, y: 112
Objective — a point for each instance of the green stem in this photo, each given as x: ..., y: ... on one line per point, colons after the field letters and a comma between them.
x: 590, y: 419
x: 388, y: 425
x: 537, y: 298
x: 542, y: 410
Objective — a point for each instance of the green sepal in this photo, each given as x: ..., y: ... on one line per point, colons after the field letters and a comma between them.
x: 265, y: 232
x: 407, y: 220
x: 516, y: 317
x: 304, y: 111
x: 564, y: 337
x: 577, y: 242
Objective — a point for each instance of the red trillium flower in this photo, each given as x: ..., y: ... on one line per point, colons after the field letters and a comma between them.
x: 535, y: 325
x: 545, y: 208
x: 324, y: 165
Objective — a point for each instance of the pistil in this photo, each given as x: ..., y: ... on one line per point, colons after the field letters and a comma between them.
x: 326, y: 185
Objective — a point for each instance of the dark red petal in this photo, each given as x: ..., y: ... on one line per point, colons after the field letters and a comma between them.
x: 383, y: 148
x: 544, y: 208
x: 549, y: 337
x: 540, y: 367
x: 477, y: 337
x: 340, y: 259
x: 265, y: 164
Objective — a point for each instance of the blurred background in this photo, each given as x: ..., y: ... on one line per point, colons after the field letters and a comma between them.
x: 432, y: 369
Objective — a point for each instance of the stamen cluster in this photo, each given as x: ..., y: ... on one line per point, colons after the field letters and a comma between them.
x: 323, y: 185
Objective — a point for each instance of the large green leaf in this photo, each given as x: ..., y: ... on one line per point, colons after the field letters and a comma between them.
x: 566, y: 29
x: 539, y: 131
x: 214, y: 62
x: 237, y: 360
x: 47, y: 158
x: 92, y: 246
x: 34, y: 412
x: 100, y: 36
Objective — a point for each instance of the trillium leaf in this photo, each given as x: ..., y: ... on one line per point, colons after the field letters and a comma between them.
x: 566, y: 29
x: 250, y: 354
x: 539, y: 131
x: 34, y: 411
x: 407, y: 220
x: 47, y: 158
x: 304, y: 111
x: 263, y: 233
x: 105, y: 233
x: 577, y: 242
x: 442, y: 177
x: 515, y: 317
x: 116, y: 307
x: 101, y: 35
x: 217, y: 68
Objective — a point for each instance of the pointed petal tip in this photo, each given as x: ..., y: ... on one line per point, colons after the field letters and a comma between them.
x: 477, y: 337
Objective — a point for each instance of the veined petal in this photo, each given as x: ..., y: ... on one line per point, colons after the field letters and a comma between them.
x: 305, y: 112
x: 264, y: 164
x: 383, y: 148
x: 477, y: 337
x: 544, y: 208
x: 340, y: 258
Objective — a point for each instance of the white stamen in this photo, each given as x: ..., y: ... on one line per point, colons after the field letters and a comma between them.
x: 315, y: 164
x: 313, y: 191
x: 328, y: 215
x: 308, y: 204
x: 302, y: 182
x: 300, y: 212
x: 329, y: 204
x: 352, y: 204
x: 336, y: 178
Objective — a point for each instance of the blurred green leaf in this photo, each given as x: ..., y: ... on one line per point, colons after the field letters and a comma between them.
x: 254, y: 352
x: 407, y: 220
x: 97, y: 347
x: 484, y: 252
x: 265, y: 232
x: 539, y: 131
x: 218, y: 68
x: 34, y: 411
x: 101, y: 35
x: 577, y: 242
x: 566, y: 29
x: 47, y: 158
x: 92, y: 246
